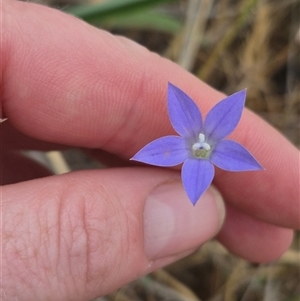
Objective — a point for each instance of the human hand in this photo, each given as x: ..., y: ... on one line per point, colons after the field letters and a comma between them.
x: 84, y: 234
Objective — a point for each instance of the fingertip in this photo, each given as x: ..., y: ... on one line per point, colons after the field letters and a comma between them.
x: 173, y: 225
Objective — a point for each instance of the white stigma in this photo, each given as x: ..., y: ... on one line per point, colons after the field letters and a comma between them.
x: 201, y: 138
x: 201, y: 144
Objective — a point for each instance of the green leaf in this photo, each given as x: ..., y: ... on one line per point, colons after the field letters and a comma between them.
x: 112, y: 8
x: 143, y: 20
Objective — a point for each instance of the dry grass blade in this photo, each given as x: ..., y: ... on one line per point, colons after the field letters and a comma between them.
x: 198, y: 13
x: 57, y: 162
x: 164, y: 277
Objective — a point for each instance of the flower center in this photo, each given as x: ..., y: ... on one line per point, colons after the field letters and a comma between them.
x: 201, y: 149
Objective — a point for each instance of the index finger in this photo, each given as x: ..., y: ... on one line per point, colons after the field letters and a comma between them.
x: 67, y: 82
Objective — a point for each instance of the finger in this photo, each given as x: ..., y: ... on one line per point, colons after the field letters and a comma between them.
x: 84, y: 234
x: 252, y: 239
x: 79, y: 95
x: 106, y: 95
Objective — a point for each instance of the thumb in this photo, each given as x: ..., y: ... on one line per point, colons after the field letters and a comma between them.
x: 85, y: 234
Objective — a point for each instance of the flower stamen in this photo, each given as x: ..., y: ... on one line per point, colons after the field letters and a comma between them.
x: 201, y: 149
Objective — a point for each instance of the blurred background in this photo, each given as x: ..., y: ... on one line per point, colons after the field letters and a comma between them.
x: 230, y: 45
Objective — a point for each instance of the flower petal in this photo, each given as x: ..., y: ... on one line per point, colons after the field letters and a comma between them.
x: 196, y: 176
x: 232, y: 156
x: 224, y: 116
x: 165, y: 151
x: 184, y: 114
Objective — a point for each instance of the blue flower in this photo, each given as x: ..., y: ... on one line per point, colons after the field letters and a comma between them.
x: 201, y: 144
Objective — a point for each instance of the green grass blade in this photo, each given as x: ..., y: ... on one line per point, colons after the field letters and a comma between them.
x: 142, y: 20
x: 111, y: 8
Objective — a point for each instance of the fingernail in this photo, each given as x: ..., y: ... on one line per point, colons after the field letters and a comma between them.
x: 172, y: 225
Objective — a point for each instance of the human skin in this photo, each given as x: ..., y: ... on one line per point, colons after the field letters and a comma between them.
x: 83, y: 234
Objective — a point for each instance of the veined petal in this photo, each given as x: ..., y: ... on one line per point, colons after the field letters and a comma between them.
x: 224, y: 116
x: 165, y: 151
x: 196, y: 176
x: 184, y: 114
x: 232, y: 156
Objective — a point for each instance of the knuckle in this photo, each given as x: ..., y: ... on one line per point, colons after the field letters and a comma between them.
x: 98, y: 231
